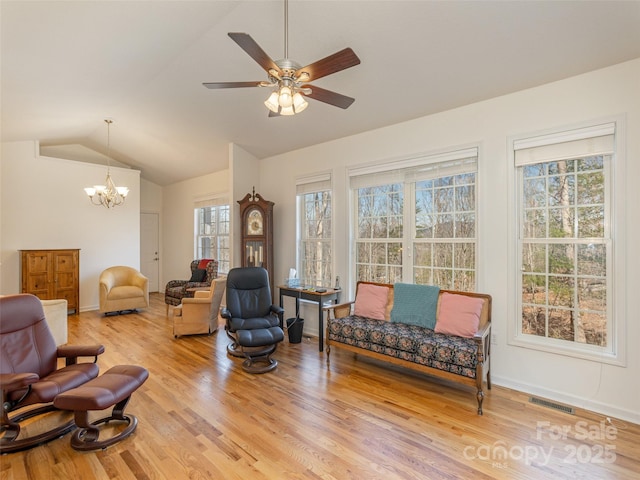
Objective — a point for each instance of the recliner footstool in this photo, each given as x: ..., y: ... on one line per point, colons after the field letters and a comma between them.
x: 112, y: 388
x: 257, y: 346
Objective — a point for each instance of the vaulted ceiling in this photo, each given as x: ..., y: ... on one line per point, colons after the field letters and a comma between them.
x: 68, y: 65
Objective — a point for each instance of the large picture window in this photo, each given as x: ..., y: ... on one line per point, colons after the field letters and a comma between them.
x: 315, y: 233
x: 415, y: 221
x: 565, y: 247
x: 212, y: 234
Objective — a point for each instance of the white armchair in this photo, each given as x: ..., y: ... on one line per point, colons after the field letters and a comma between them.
x: 55, y: 311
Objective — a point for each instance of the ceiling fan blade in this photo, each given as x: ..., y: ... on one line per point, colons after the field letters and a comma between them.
x: 232, y: 84
x: 249, y: 45
x: 327, y: 96
x: 333, y: 63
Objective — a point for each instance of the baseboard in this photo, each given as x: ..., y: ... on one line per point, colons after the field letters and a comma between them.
x: 89, y: 308
x: 604, y: 409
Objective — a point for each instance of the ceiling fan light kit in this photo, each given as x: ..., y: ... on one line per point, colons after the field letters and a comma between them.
x: 288, y: 79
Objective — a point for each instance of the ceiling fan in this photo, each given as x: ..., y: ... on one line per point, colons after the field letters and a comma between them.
x: 288, y: 79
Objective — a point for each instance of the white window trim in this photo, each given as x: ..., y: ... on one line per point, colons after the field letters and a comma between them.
x: 615, y: 353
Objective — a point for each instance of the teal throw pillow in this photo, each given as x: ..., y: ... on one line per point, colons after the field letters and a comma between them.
x: 415, y: 304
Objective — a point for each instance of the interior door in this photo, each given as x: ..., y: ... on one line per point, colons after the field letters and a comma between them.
x: 149, y: 257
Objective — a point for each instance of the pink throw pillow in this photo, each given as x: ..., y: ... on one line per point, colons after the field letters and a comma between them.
x: 459, y: 315
x: 371, y: 301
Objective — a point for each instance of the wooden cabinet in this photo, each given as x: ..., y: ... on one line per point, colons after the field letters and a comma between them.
x: 256, y: 215
x: 52, y: 274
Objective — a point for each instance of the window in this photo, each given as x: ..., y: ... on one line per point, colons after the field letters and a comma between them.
x: 212, y: 233
x: 564, y: 246
x: 415, y: 221
x: 315, y: 233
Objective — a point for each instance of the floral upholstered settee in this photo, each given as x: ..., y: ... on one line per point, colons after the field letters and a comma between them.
x: 439, y: 332
x: 203, y: 272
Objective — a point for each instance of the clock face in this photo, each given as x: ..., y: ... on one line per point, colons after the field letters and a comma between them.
x: 254, y: 223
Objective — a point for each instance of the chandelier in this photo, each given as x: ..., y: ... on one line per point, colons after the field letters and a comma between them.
x: 107, y: 195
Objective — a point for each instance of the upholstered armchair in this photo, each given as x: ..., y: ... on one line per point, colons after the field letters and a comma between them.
x: 123, y: 289
x: 200, y: 313
x: 203, y: 272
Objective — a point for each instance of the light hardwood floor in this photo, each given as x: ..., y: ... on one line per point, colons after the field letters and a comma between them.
x: 202, y: 417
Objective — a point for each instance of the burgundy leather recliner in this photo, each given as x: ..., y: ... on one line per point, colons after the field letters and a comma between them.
x: 29, y: 373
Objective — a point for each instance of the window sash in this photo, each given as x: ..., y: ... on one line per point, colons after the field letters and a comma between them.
x: 315, y: 259
x: 217, y: 241
x: 583, y: 298
x: 392, y: 257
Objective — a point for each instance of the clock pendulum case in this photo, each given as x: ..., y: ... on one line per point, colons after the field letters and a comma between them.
x: 256, y: 215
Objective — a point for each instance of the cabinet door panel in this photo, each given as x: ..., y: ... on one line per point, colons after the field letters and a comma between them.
x: 38, y: 284
x: 64, y: 263
x: 65, y: 280
x: 70, y: 296
x: 38, y: 263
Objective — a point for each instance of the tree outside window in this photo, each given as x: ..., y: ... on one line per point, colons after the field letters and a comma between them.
x: 418, y: 224
x: 564, y: 250
x: 315, y: 233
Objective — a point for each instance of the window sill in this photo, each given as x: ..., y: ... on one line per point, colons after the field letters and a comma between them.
x: 561, y: 347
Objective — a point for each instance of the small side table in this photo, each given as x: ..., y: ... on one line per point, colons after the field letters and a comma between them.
x: 319, y: 297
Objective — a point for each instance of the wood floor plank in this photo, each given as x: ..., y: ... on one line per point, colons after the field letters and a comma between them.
x: 202, y: 417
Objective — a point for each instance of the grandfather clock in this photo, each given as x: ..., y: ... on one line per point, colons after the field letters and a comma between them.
x: 256, y: 215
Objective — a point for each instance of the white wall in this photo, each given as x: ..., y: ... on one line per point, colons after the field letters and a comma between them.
x: 600, y: 94
x: 44, y: 206
x: 150, y: 197
x: 177, y: 229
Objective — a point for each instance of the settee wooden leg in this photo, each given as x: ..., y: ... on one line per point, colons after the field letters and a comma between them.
x: 480, y: 397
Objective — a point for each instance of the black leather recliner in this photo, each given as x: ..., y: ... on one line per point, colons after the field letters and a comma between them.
x: 253, y: 323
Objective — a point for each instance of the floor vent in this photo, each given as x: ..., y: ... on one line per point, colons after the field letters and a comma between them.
x: 556, y: 406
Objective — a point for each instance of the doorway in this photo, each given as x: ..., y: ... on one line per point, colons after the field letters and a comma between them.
x: 149, y: 249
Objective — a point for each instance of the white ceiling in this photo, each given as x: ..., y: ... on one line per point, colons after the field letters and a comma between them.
x: 66, y: 66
